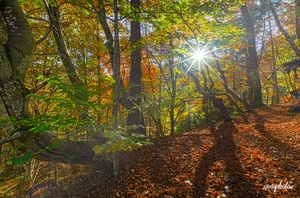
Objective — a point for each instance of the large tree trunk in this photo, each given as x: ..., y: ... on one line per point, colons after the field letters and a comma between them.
x: 252, y: 67
x: 16, y: 48
x: 135, y: 120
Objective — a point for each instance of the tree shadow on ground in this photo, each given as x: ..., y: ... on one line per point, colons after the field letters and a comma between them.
x: 236, y: 183
x: 274, y: 145
x: 286, y: 157
x: 289, y: 155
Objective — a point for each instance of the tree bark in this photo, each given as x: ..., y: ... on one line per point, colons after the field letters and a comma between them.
x: 135, y: 120
x: 173, y: 88
x: 53, y: 13
x: 101, y: 13
x: 16, y: 50
x: 70, y: 67
x: 252, y: 66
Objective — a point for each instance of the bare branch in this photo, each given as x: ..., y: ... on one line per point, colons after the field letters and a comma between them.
x: 43, y: 37
x: 288, y: 38
x: 11, y: 138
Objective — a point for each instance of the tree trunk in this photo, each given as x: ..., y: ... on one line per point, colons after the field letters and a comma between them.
x: 70, y: 68
x: 252, y: 67
x: 101, y: 13
x: 273, y: 66
x: 173, y: 89
x: 117, y: 77
x: 135, y: 120
x: 16, y: 48
x: 53, y: 13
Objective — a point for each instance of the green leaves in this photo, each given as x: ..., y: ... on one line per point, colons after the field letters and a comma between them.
x: 3, y: 121
x: 22, y: 159
x: 65, y: 104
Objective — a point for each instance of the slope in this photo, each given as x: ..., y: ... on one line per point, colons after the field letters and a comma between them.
x: 254, y: 155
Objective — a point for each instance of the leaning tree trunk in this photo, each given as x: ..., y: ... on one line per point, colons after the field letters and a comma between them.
x: 70, y: 68
x: 252, y: 66
x: 217, y: 102
x: 16, y: 49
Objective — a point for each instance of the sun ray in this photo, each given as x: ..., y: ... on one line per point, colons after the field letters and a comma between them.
x: 201, y: 55
x: 189, y: 68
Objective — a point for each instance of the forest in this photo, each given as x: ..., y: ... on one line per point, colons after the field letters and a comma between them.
x: 147, y: 98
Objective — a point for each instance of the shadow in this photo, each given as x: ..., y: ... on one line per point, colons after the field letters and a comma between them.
x: 249, y: 117
x: 236, y: 183
x: 276, y: 147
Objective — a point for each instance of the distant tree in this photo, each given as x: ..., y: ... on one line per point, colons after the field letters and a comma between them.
x: 279, y: 25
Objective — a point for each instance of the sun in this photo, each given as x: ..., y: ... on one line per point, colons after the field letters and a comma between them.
x: 199, y: 55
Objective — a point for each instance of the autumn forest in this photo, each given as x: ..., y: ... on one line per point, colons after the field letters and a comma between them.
x: 147, y: 98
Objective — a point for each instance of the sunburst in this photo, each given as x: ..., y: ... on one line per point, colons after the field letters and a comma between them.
x: 199, y: 56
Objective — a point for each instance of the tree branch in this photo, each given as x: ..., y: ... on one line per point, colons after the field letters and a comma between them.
x: 38, y: 87
x: 288, y: 38
x: 43, y: 37
x: 11, y: 138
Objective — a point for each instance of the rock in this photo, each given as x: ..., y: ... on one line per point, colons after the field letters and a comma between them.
x: 294, y: 109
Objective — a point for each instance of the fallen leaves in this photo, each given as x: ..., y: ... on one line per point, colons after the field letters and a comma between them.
x: 231, y: 159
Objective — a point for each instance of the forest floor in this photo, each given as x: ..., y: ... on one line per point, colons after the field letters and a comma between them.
x: 254, y: 155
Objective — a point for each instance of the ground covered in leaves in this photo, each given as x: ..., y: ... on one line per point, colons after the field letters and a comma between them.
x: 254, y: 155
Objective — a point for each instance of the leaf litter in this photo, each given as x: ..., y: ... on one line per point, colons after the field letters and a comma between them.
x: 254, y: 155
